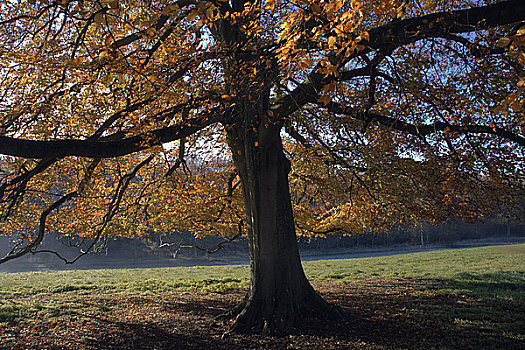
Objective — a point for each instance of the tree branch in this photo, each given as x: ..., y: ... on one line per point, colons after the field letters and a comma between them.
x: 391, y: 36
x: 13, y: 254
x: 425, y: 129
x: 106, y: 148
x: 403, y: 32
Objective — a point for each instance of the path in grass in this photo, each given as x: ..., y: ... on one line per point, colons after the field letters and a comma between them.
x: 472, y: 298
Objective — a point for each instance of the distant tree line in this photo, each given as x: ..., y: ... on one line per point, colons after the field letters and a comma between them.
x: 185, y: 245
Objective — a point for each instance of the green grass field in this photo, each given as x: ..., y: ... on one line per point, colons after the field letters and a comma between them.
x: 480, y: 291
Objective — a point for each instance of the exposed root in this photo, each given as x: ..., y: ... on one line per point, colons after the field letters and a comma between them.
x: 254, y: 317
x: 236, y: 310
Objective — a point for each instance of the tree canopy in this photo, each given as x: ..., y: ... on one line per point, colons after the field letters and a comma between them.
x: 123, y: 117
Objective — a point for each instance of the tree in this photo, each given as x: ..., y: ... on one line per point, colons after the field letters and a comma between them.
x: 375, y: 113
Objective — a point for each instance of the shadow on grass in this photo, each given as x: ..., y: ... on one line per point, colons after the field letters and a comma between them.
x: 470, y: 312
x: 478, y: 312
x: 135, y: 336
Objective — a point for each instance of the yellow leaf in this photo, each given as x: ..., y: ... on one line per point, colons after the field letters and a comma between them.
x: 270, y: 113
x: 113, y: 4
x: 357, y: 4
x: 519, y: 41
x: 170, y: 8
x: 79, y: 60
x: 521, y: 31
x: 316, y: 9
x: 270, y: 5
x: 325, y: 99
x: 521, y: 58
x: 331, y: 41
x: 99, y: 18
x: 515, y: 106
x: 151, y: 32
x: 209, y: 13
x: 121, y: 78
x: 108, y: 40
x: 192, y: 15
x: 502, y: 42
x: 103, y: 55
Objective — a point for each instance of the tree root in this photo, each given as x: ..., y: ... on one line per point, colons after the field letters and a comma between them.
x: 252, y: 317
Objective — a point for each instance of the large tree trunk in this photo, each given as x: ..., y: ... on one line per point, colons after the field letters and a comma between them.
x: 280, y: 296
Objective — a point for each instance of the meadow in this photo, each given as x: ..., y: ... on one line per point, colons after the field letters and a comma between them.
x: 451, y: 299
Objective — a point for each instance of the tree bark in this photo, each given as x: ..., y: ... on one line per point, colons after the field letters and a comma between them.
x: 280, y: 296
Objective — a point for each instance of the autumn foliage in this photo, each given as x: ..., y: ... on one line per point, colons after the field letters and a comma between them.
x: 108, y: 70
x: 125, y: 117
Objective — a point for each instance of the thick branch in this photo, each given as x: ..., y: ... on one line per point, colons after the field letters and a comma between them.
x: 425, y: 129
x: 105, y: 148
x: 398, y: 33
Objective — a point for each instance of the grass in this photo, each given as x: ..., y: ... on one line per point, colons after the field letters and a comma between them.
x: 496, y: 272
x: 457, y: 263
x: 475, y: 294
x: 490, y: 264
x: 487, y: 267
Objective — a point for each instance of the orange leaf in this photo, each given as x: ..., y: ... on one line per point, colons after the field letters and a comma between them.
x: 325, y: 99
